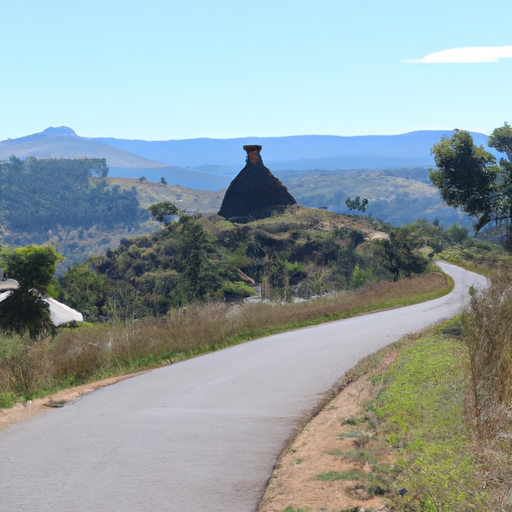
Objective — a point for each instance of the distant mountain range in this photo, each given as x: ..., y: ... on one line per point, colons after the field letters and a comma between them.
x: 63, y: 142
x: 297, y: 153
x: 209, y: 164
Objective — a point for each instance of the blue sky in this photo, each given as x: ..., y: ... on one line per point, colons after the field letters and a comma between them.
x: 159, y: 70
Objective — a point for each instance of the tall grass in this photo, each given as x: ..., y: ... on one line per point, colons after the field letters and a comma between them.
x: 29, y: 369
x: 488, y: 334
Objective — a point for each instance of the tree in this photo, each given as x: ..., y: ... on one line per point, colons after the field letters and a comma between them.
x: 85, y: 290
x: 33, y: 267
x: 469, y: 177
x: 199, y: 277
x: 399, y: 257
x: 163, y: 181
x: 357, y: 203
x: 162, y: 211
x: 457, y: 233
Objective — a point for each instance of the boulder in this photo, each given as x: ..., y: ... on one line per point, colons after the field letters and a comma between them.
x: 255, y: 193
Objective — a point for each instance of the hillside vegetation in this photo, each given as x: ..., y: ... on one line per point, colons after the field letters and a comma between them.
x: 301, y: 253
x: 397, y: 196
x: 40, y: 195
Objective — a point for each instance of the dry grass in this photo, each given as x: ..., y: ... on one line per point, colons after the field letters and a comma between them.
x: 77, y: 356
x: 488, y: 334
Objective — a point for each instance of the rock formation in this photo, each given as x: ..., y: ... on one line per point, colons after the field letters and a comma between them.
x: 255, y: 193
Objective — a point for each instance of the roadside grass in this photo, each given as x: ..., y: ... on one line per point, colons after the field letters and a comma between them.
x: 423, y: 442
x: 77, y: 356
x: 476, y: 256
x: 472, y: 267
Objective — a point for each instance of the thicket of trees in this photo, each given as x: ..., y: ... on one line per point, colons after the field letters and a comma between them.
x: 39, y: 195
x: 196, y: 258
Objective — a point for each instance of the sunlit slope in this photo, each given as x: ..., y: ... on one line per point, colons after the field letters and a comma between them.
x: 396, y: 196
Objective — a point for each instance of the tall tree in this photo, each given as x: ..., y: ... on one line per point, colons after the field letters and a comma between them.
x: 468, y: 176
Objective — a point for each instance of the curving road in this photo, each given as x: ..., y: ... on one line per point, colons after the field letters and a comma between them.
x: 201, y: 435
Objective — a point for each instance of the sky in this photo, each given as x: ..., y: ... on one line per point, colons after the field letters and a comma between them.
x: 178, y: 69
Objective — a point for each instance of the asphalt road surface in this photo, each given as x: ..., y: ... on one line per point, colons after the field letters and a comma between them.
x: 201, y: 435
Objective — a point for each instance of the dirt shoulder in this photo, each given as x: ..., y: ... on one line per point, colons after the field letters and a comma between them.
x: 318, y: 449
x: 32, y: 408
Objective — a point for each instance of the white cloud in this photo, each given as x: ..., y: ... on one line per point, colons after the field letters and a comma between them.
x: 471, y: 54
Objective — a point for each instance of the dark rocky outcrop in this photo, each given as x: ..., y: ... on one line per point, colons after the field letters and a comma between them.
x: 255, y: 193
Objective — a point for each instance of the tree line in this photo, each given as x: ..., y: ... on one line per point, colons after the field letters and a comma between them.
x: 37, y: 195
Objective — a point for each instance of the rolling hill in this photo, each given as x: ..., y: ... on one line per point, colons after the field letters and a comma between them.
x: 64, y: 143
x: 397, y: 196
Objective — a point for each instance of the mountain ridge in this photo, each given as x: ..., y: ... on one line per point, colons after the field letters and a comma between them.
x: 209, y: 164
x: 298, y: 152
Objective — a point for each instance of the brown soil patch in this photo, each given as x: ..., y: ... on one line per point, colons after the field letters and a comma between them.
x: 32, y: 408
x: 316, y: 449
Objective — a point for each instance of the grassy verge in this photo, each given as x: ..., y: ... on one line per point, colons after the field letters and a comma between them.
x: 421, y: 415
x: 472, y: 267
x: 414, y: 446
x: 29, y: 370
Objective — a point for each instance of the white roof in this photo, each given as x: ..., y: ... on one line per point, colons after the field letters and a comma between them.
x: 4, y: 295
x: 61, y: 314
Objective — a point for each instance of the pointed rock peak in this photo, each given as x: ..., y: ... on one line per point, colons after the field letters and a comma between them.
x: 61, y: 130
x: 255, y: 193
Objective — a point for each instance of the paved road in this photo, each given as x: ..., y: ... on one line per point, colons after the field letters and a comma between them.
x: 197, y: 436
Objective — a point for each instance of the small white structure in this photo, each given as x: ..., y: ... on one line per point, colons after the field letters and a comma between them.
x: 5, y: 295
x: 61, y: 314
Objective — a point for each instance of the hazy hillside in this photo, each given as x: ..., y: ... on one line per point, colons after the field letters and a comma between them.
x: 188, y: 199
x: 318, y: 169
x: 397, y: 196
x: 64, y: 143
x: 175, y: 175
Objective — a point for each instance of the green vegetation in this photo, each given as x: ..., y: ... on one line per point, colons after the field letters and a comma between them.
x: 421, y: 415
x: 33, y: 267
x: 476, y: 255
x: 40, y: 195
x: 66, y: 203
x: 468, y: 176
x: 196, y: 258
x: 162, y: 211
x: 397, y: 196
x: 399, y: 257
x: 357, y: 203
x: 297, y: 255
x: 96, y: 351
